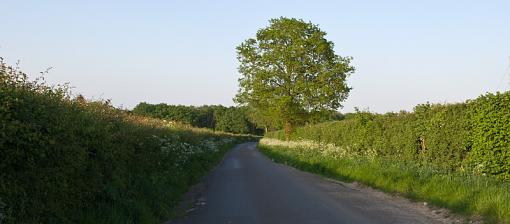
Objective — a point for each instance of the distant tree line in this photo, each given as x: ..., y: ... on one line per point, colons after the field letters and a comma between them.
x: 216, y: 117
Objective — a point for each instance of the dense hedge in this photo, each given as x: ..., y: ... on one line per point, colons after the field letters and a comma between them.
x: 473, y: 136
x: 490, y: 133
x: 66, y: 160
x: 217, y: 117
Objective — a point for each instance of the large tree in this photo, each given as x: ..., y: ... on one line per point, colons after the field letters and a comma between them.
x: 290, y: 73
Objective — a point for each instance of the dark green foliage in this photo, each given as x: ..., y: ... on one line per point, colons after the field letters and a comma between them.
x: 233, y: 120
x: 216, y: 117
x: 472, y: 136
x: 66, y: 160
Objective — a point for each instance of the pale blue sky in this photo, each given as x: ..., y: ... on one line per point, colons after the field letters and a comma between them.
x: 183, y: 52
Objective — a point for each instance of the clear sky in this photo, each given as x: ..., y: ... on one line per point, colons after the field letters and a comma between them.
x: 183, y: 52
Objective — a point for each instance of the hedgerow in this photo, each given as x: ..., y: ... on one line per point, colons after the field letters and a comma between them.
x: 490, y: 134
x: 66, y: 160
x: 465, y: 137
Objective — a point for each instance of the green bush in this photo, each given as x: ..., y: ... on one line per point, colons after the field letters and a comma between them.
x: 65, y: 160
x: 472, y: 136
x: 490, y: 134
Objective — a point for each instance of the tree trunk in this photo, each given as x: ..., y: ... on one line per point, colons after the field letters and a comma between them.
x: 288, y: 130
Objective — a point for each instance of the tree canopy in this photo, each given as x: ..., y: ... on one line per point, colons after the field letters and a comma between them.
x: 291, y: 74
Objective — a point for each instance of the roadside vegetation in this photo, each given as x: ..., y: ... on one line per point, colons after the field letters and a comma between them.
x: 455, y: 156
x: 67, y: 160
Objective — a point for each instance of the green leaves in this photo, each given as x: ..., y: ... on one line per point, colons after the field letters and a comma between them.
x: 490, y: 119
x: 472, y: 136
x: 290, y: 72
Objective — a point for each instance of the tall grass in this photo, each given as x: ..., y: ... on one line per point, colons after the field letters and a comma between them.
x: 464, y: 193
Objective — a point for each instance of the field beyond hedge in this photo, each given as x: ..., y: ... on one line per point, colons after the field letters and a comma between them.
x: 66, y: 160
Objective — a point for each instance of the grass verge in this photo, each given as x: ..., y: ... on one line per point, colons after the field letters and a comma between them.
x: 460, y: 192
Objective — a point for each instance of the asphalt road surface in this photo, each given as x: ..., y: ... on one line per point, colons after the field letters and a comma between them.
x: 247, y: 187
